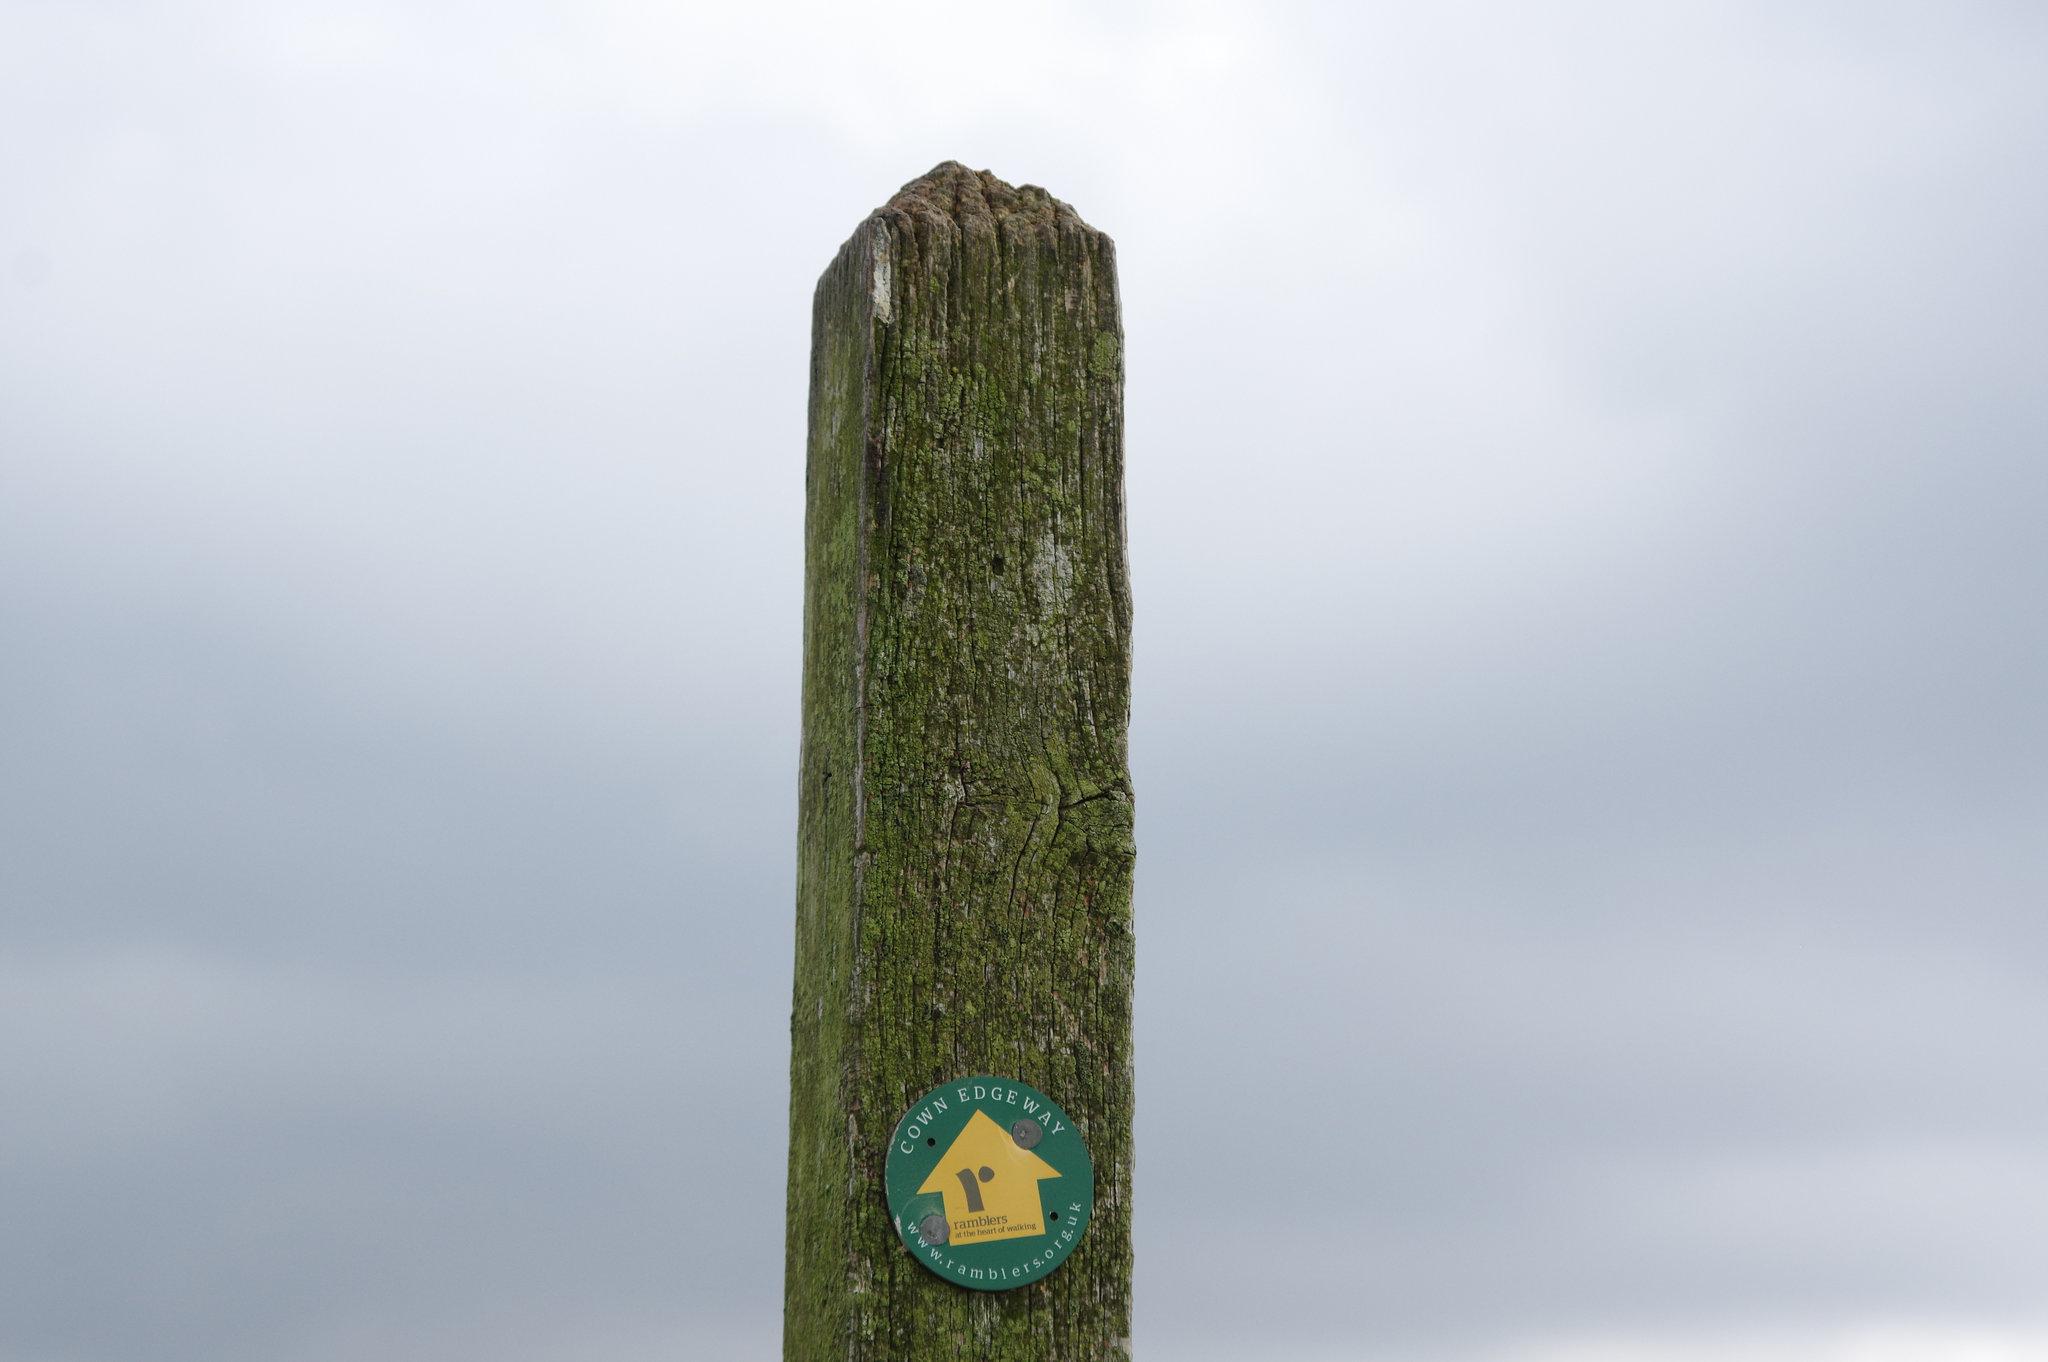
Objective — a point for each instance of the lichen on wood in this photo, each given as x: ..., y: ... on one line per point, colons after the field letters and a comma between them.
x: 964, y: 820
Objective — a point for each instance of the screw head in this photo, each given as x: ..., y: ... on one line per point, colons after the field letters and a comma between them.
x: 1026, y: 1133
x: 932, y: 1229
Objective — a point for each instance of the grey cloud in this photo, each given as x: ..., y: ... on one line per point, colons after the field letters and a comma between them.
x: 1584, y: 494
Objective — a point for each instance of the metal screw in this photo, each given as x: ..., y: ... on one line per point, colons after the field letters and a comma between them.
x: 932, y: 1229
x: 1026, y: 1133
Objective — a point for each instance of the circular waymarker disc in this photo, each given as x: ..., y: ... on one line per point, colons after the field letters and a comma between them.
x: 989, y: 1183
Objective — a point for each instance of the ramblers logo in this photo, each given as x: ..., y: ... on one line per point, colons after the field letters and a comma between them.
x: 989, y: 1183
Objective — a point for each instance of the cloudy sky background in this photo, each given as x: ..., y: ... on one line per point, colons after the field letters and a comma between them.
x: 1587, y: 498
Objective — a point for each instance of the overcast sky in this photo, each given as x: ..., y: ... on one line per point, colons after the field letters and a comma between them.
x: 1588, y: 480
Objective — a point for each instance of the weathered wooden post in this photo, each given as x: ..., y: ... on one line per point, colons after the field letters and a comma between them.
x: 964, y: 826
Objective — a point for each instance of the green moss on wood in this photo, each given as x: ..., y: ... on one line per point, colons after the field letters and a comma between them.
x: 964, y: 824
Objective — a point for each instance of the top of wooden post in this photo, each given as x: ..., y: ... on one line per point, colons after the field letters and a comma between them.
x: 975, y: 201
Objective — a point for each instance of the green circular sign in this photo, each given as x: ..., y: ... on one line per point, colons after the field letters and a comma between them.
x: 989, y: 1183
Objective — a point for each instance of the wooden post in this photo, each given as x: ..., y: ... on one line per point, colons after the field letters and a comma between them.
x: 964, y: 826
